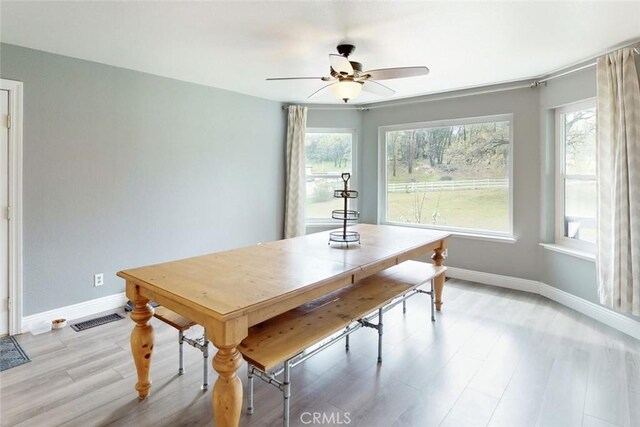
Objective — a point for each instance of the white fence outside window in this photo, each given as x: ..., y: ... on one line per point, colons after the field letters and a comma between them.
x: 467, y: 184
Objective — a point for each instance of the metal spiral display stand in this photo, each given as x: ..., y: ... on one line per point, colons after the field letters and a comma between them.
x: 345, y: 215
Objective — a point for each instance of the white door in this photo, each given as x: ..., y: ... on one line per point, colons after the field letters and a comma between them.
x: 4, y: 217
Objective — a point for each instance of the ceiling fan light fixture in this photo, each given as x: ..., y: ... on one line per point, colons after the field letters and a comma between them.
x: 348, y: 78
x: 346, y: 89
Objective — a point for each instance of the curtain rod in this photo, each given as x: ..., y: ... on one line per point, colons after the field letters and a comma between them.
x: 355, y: 107
x: 553, y: 75
x: 444, y: 95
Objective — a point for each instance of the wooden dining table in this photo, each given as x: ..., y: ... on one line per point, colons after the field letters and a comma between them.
x: 227, y: 292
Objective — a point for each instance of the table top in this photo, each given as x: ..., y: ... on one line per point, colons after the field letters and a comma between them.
x: 231, y: 283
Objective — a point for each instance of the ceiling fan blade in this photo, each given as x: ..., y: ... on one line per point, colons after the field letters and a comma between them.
x: 373, y: 86
x: 341, y: 64
x: 295, y: 78
x: 320, y: 90
x: 397, y: 73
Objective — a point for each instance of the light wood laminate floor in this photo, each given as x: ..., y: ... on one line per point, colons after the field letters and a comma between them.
x: 494, y: 357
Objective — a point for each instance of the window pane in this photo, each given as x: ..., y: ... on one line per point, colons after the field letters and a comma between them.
x: 327, y: 156
x: 580, y: 142
x: 580, y: 209
x: 454, y: 176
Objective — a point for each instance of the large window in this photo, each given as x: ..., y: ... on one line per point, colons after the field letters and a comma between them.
x: 328, y: 154
x: 576, y: 195
x: 453, y: 174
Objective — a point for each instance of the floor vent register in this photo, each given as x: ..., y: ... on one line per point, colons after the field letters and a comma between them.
x: 92, y: 323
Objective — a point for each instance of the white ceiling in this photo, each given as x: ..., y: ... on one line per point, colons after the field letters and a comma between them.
x: 235, y: 45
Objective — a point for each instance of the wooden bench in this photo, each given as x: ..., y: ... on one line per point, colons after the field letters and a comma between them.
x: 283, y: 339
x: 183, y: 324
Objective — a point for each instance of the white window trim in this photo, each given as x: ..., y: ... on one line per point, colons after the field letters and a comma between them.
x: 382, y: 175
x: 561, y: 240
x: 353, y: 181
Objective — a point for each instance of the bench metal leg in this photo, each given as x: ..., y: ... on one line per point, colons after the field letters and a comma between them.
x: 404, y: 306
x: 346, y: 342
x: 367, y: 323
x: 287, y: 391
x: 205, y: 357
x: 250, y: 396
x: 432, y: 294
x: 380, y: 335
x: 180, y: 353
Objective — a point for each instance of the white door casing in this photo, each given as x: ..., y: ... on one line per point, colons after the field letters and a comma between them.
x: 12, y: 217
x: 4, y: 212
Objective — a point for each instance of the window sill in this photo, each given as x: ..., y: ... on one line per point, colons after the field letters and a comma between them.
x: 569, y: 251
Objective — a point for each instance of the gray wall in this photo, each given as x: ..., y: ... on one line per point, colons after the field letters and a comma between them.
x: 348, y: 118
x: 123, y: 169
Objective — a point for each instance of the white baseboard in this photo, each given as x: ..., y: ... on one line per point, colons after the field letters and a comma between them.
x: 595, y: 311
x: 509, y: 282
x: 75, y: 311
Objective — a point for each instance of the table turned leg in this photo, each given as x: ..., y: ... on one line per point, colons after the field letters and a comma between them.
x: 142, y: 338
x: 438, y: 286
x: 227, y: 391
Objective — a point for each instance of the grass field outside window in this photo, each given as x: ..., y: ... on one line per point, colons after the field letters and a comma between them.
x: 453, y: 174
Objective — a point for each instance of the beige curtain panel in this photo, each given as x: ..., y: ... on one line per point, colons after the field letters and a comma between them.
x: 295, y: 194
x: 618, y: 133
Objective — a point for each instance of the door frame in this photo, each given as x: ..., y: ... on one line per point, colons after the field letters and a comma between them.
x: 15, y: 90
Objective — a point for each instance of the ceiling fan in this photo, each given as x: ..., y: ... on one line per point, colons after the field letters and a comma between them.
x: 347, y: 78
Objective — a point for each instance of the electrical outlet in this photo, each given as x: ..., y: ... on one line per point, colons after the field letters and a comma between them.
x: 98, y: 279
